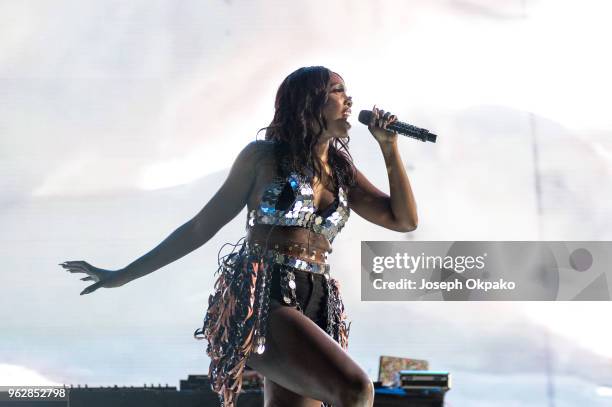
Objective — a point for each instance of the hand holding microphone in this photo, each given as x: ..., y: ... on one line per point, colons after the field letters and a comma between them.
x: 384, y: 126
x: 377, y: 123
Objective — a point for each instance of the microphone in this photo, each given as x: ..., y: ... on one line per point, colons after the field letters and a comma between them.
x: 402, y: 128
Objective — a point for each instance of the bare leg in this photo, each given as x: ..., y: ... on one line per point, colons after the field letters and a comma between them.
x: 278, y: 396
x: 302, y: 365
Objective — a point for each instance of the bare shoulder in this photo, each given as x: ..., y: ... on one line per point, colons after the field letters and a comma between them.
x: 255, y: 153
x: 260, y: 157
x: 257, y: 158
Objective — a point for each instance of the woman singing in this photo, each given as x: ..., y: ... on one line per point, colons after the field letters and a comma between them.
x: 275, y: 307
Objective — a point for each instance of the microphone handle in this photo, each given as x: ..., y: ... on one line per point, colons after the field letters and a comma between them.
x: 365, y: 116
x: 412, y: 131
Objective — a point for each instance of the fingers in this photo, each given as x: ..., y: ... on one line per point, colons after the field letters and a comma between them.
x: 374, y: 117
x: 91, y: 288
x: 381, y: 119
x: 80, y: 263
x: 392, y: 119
x: 378, y: 117
x: 385, y: 119
x: 74, y: 268
x: 80, y: 266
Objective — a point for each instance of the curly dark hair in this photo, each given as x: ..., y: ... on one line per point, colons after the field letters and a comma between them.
x: 298, y: 107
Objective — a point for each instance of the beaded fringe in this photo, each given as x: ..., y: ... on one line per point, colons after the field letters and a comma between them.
x: 337, y: 326
x: 235, y: 322
x: 234, y: 327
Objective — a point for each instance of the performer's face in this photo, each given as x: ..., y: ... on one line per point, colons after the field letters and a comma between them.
x: 337, y: 108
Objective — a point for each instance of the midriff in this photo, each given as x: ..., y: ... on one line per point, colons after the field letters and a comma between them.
x: 291, y: 240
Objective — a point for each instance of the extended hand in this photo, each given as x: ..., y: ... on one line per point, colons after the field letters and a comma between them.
x: 102, y: 278
x: 378, y: 126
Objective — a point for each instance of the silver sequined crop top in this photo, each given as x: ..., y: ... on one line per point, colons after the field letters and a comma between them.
x: 290, y: 202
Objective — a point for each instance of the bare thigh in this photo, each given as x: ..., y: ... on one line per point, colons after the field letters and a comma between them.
x: 302, y: 364
x: 277, y: 395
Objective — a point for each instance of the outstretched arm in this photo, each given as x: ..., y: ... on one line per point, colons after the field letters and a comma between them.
x: 222, y: 208
x: 396, y: 211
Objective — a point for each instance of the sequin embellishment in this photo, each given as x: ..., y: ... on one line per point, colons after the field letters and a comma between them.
x: 302, y: 212
x: 235, y: 321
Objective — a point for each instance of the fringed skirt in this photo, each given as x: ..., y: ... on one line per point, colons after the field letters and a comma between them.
x: 235, y: 322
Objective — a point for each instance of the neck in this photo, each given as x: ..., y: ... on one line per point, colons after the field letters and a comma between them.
x: 321, y: 150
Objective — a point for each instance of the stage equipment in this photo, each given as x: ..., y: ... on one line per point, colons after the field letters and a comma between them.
x: 424, y: 379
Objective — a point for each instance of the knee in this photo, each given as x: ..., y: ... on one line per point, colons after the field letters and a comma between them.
x: 274, y: 403
x: 357, y: 392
